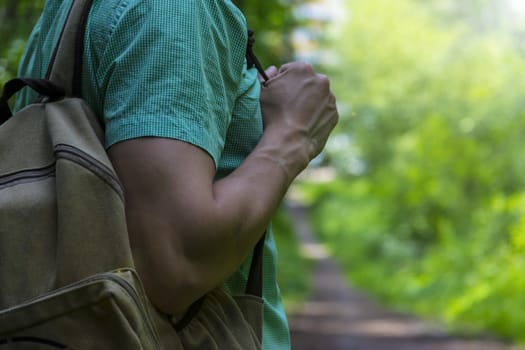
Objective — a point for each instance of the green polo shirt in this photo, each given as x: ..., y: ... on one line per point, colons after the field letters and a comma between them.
x: 173, y: 69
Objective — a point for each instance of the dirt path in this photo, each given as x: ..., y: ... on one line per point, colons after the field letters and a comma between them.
x: 338, y: 317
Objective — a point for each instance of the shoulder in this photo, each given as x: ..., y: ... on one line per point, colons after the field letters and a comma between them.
x: 161, y: 23
x: 189, y: 52
x: 162, y: 13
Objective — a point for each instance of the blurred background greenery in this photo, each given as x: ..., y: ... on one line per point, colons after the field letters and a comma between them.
x: 427, y: 206
x: 424, y: 205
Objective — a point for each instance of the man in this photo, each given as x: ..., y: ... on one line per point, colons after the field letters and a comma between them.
x: 204, y: 151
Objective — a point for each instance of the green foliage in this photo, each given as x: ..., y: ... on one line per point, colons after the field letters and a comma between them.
x: 273, y: 22
x: 17, y: 18
x: 433, y: 220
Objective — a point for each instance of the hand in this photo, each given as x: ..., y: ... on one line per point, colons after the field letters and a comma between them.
x: 297, y: 104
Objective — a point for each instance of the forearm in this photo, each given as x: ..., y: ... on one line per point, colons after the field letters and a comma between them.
x: 188, y: 233
x: 240, y: 206
x: 254, y: 190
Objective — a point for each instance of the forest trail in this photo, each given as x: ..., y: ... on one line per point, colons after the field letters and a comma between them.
x: 337, y: 317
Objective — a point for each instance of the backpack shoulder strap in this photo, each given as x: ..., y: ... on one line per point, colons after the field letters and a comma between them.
x: 254, y: 285
x: 65, y: 68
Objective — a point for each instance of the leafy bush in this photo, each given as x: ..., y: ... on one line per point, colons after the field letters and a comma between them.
x: 434, y: 219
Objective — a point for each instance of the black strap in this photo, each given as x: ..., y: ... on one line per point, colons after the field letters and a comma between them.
x: 61, y: 77
x: 251, y: 59
x: 44, y: 87
x: 254, y: 284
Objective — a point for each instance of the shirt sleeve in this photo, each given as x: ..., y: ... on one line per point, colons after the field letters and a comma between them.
x: 172, y: 69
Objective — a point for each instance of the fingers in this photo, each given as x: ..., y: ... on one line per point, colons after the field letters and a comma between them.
x: 298, y: 65
x: 297, y: 101
x: 271, y: 72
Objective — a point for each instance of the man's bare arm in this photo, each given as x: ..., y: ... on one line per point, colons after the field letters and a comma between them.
x: 189, y: 233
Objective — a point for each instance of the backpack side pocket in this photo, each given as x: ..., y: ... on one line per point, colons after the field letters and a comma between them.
x: 106, y: 311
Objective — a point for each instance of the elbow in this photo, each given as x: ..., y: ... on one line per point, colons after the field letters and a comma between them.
x: 170, y: 279
x: 171, y: 287
x: 177, y: 265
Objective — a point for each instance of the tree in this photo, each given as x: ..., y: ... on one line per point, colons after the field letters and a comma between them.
x: 437, y: 121
x: 17, y: 18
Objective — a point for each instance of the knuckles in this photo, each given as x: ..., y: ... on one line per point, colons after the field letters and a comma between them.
x: 335, y: 119
x: 304, y: 67
x: 323, y: 82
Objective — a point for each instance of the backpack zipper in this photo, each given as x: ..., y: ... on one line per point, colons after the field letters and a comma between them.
x: 25, y: 176
x: 83, y: 159
x: 73, y: 154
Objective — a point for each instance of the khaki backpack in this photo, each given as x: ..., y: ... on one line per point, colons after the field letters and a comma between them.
x: 67, y: 278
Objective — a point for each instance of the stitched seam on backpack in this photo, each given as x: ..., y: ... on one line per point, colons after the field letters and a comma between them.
x: 83, y: 159
x: 27, y: 176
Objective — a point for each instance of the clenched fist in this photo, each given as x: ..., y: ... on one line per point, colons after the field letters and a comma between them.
x: 299, y: 109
